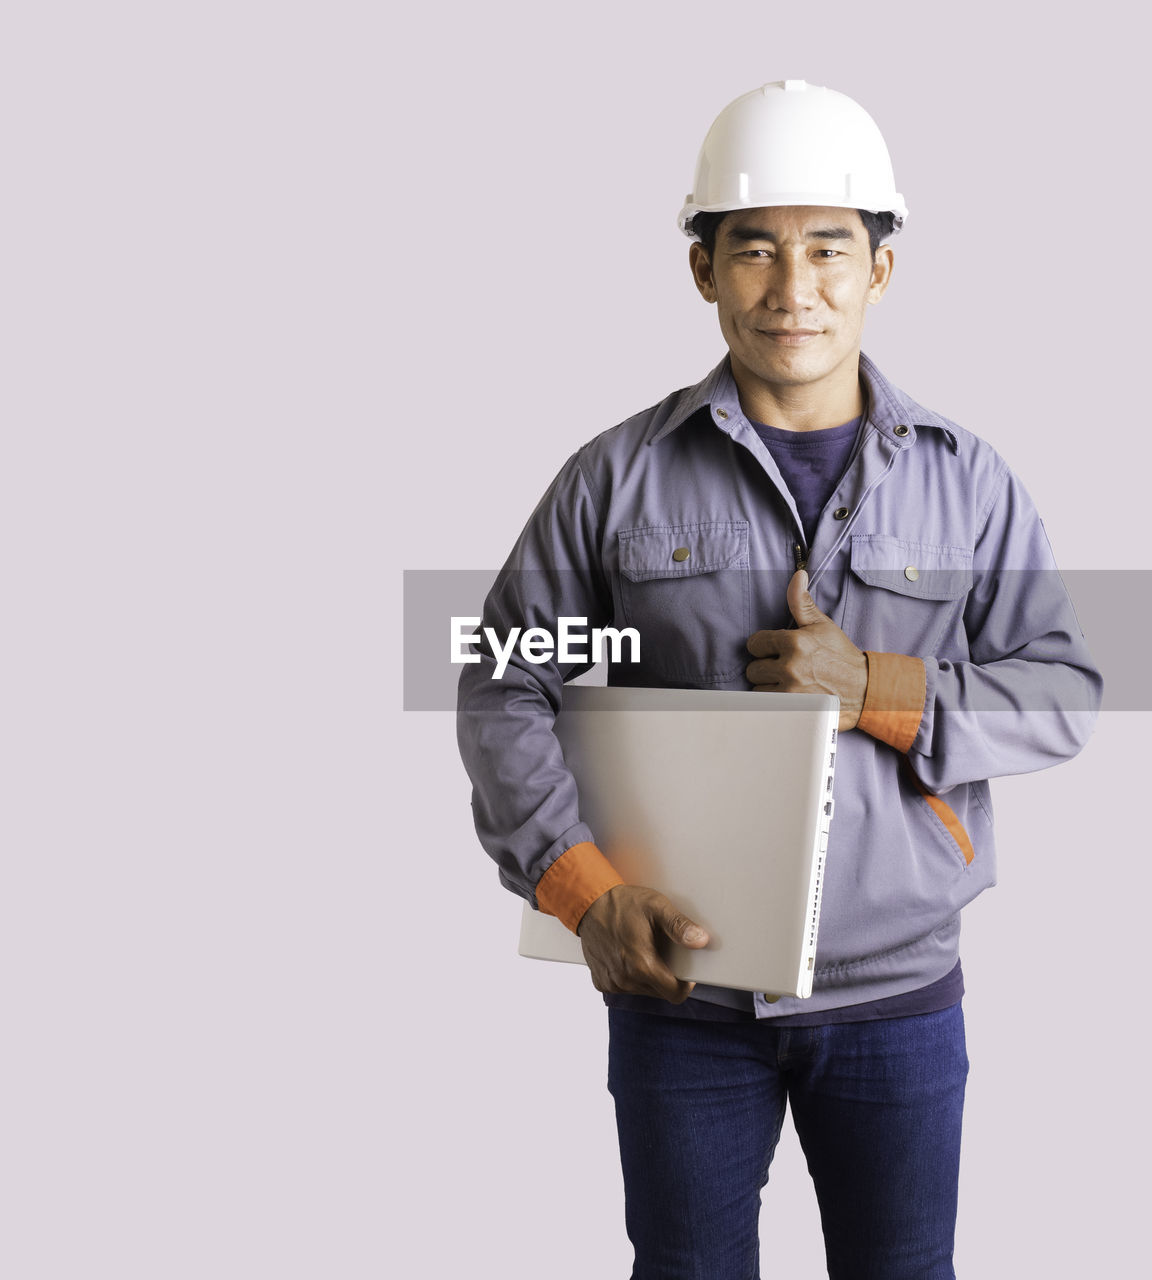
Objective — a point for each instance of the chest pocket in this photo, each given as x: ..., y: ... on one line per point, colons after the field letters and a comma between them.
x: 686, y: 589
x: 905, y: 596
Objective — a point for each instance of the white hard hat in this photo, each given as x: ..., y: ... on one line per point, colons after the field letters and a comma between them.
x: 793, y: 143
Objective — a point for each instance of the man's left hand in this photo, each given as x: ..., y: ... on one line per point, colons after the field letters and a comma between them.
x: 816, y: 657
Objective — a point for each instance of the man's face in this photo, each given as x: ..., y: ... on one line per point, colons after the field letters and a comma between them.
x: 791, y: 286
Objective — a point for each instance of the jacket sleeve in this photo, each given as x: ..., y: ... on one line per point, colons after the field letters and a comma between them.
x: 524, y: 798
x: 1028, y: 694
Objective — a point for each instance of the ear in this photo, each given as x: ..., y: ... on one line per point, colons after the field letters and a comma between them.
x: 701, y: 266
x: 881, y: 273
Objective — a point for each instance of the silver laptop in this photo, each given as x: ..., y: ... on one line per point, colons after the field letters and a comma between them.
x: 721, y: 800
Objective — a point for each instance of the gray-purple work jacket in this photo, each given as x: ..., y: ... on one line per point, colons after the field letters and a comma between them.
x: 929, y: 555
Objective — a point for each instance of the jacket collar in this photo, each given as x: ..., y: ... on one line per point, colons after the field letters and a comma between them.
x: 888, y: 408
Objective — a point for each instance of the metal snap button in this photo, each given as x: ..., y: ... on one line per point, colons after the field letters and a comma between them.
x: 841, y: 513
x: 901, y: 430
x: 911, y: 573
x: 721, y: 413
x: 680, y: 554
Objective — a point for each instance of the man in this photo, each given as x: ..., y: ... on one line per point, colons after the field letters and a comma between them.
x: 793, y: 522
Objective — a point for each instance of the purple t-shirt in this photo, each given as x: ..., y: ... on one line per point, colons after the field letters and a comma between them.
x: 811, y: 463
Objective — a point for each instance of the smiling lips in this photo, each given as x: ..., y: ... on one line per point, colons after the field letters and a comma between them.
x: 790, y: 337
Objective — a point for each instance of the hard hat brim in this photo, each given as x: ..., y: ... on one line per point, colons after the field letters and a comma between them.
x: 896, y: 207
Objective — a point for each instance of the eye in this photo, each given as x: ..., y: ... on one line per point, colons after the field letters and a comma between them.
x: 828, y: 253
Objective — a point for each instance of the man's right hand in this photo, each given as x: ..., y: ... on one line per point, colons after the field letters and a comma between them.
x: 619, y: 934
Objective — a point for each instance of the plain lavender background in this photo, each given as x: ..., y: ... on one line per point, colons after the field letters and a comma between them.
x: 296, y: 296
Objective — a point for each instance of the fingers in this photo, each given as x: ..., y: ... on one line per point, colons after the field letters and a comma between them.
x: 764, y: 675
x: 638, y: 971
x: 643, y: 975
x: 771, y: 649
x: 620, y: 936
x: 679, y: 928
x: 800, y: 604
x: 768, y: 644
x: 797, y: 594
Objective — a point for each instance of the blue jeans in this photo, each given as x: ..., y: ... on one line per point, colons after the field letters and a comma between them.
x: 877, y: 1107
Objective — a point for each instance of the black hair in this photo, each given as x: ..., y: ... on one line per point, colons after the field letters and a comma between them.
x: 877, y: 225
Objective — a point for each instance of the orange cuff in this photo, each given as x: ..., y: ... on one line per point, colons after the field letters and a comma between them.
x: 894, y: 700
x: 573, y: 883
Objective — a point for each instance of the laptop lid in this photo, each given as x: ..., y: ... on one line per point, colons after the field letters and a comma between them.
x: 721, y: 800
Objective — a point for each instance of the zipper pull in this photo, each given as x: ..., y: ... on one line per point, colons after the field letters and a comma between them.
x: 798, y: 553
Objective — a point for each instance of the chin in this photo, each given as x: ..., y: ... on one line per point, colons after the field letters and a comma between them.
x: 791, y: 372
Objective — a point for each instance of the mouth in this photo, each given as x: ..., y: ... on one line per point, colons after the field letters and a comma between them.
x: 790, y: 337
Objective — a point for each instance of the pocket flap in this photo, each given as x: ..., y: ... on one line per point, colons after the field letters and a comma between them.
x: 919, y: 569
x: 681, y: 550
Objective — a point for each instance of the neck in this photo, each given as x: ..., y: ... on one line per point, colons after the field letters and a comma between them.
x: 805, y: 406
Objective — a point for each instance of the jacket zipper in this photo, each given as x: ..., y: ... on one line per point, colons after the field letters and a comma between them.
x: 799, y: 557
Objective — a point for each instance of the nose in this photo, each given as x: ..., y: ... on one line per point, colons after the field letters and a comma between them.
x: 792, y: 284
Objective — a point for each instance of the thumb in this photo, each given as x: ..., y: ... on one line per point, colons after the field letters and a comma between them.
x: 800, y: 604
x: 680, y: 929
